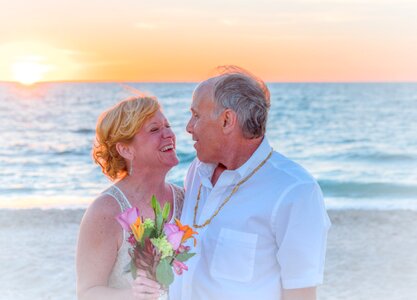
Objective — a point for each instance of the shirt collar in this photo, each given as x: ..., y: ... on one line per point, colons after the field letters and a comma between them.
x: 205, y: 170
x: 257, y: 157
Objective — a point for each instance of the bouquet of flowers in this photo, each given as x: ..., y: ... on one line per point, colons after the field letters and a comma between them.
x: 157, y: 247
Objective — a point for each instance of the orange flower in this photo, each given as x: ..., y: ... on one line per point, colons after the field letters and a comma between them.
x: 188, y: 232
x: 138, y: 229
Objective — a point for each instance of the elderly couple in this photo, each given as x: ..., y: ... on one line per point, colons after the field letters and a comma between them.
x: 261, y: 221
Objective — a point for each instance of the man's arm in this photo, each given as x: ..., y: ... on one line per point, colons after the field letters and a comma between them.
x: 301, y: 232
x: 299, y: 294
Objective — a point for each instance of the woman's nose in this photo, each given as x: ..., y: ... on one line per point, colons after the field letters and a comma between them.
x: 168, y: 133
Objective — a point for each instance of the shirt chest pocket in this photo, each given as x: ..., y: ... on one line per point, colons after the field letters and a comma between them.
x: 234, y: 255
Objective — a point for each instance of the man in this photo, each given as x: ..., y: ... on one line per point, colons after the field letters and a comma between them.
x: 261, y: 221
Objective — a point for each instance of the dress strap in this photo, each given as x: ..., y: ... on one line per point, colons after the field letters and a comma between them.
x: 118, y: 195
x: 178, y: 193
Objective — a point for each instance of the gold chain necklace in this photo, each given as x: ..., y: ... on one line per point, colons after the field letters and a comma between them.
x: 228, y: 197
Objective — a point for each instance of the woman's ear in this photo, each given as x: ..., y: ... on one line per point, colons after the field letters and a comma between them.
x: 229, y: 119
x: 124, y: 150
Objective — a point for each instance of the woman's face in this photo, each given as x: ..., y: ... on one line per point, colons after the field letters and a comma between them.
x: 154, y: 144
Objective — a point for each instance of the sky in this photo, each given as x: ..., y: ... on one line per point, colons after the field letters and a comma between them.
x: 165, y: 40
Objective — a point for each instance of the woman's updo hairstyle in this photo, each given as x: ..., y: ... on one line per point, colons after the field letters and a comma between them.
x: 120, y: 124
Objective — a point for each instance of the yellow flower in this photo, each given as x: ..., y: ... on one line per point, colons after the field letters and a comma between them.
x: 138, y: 229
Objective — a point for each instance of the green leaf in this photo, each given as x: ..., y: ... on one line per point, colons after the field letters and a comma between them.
x: 164, y: 273
x: 133, y: 269
x: 158, y: 224
x: 165, y: 211
x: 184, y: 256
x: 153, y: 202
x: 156, y: 206
x: 148, y: 233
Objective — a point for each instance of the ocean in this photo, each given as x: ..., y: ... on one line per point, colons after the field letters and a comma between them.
x: 359, y: 140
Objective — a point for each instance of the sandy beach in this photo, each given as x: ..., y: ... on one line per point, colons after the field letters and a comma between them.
x: 371, y: 255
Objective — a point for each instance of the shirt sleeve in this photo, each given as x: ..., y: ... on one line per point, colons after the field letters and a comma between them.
x: 301, y: 224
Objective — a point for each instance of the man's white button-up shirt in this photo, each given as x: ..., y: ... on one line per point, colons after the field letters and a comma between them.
x: 270, y: 235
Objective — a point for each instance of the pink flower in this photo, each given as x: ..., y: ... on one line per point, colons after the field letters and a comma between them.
x: 129, y: 216
x: 179, y: 266
x: 174, y: 235
x: 170, y: 228
x: 183, y: 248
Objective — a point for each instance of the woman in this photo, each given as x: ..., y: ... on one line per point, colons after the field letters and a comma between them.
x: 135, y: 148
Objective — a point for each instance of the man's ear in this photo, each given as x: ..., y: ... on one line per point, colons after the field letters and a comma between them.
x: 229, y: 119
x: 124, y: 150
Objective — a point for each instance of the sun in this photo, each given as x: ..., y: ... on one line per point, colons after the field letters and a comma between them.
x: 28, y: 72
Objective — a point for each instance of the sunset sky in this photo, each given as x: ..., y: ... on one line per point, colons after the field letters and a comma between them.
x: 279, y: 40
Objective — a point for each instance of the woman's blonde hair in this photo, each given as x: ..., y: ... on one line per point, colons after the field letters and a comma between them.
x: 120, y: 124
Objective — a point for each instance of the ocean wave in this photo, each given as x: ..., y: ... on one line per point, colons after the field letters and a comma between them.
x: 71, y: 152
x: 380, y: 157
x: 352, y: 189
x: 17, y: 190
x: 30, y: 151
x: 84, y: 131
x: 372, y: 157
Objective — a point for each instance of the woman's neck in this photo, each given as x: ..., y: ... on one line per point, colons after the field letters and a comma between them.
x: 139, y: 187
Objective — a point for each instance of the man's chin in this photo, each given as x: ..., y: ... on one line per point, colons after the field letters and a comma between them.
x: 200, y: 157
x: 203, y: 158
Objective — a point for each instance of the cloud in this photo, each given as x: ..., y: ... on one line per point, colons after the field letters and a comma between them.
x: 362, y: 2
x: 229, y: 22
x: 71, y: 52
x: 147, y: 26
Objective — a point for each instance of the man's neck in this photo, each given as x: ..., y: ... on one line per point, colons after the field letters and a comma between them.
x: 239, y: 153
x: 236, y: 156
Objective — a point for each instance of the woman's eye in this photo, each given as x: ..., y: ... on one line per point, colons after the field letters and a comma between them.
x: 168, y: 125
x: 154, y: 129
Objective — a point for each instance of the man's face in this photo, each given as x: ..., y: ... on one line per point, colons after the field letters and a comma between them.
x: 204, y: 127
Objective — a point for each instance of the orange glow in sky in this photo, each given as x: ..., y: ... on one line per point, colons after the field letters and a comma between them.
x: 279, y: 40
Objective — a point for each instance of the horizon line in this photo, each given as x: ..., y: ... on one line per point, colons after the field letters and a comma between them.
x: 180, y: 82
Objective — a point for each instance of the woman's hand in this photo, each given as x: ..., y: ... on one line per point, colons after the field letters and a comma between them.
x: 145, y: 288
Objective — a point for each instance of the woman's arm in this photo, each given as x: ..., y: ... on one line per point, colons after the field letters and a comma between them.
x: 98, y: 243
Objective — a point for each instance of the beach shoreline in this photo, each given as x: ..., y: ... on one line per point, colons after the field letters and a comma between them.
x: 371, y: 254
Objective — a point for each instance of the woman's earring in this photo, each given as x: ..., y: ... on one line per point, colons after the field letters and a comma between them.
x: 131, y: 167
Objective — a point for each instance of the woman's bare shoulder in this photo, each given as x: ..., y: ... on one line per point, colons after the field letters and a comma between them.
x: 102, y: 211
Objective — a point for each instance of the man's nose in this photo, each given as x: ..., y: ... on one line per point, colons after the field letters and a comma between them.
x: 189, y: 127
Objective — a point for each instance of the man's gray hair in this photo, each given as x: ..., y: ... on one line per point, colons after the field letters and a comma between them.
x: 245, y: 94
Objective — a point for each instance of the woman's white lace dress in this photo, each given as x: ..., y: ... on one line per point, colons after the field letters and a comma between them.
x: 118, y: 278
